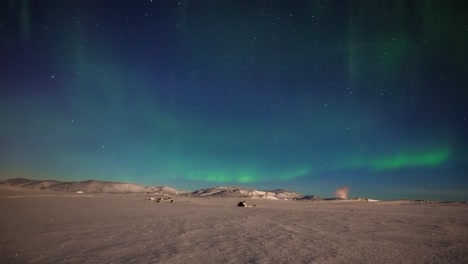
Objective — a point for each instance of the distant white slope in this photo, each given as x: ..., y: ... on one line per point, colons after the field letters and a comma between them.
x: 223, y: 191
x: 165, y: 190
x: 90, y: 186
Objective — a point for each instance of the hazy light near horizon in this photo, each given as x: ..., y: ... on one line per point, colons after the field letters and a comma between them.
x: 342, y: 192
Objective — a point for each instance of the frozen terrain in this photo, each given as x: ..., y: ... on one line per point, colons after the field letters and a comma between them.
x: 43, y: 226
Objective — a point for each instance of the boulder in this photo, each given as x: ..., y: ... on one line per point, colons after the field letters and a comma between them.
x: 242, y: 204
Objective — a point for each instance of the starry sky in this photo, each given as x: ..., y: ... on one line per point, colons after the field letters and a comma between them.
x: 303, y: 95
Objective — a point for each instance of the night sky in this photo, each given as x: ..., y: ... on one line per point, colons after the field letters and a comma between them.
x: 308, y: 96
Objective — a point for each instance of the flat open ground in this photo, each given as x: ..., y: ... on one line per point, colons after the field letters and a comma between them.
x: 55, y: 227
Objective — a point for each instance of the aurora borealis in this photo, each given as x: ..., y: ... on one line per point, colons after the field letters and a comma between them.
x: 302, y: 95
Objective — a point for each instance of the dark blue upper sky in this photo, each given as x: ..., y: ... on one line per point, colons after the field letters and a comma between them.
x: 304, y: 95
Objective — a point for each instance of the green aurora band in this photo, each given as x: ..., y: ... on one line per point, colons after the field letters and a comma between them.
x: 243, y: 176
x: 397, y: 161
x: 403, y: 160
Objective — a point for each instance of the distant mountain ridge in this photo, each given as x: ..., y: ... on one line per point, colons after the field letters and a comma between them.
x: 95, y: 186
x: 224, y: 191
x: 90, y: 186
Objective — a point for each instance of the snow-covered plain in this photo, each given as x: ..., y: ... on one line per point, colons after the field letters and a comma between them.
x: 58, y: 227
